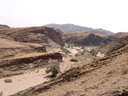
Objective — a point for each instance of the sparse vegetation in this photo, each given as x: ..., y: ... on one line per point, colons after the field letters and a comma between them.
x: 7, y: 80
x: 65, y: 50
x: 83, y: 52
x: 93, y: 52
x: 55, y: 69
x: 74, y: 60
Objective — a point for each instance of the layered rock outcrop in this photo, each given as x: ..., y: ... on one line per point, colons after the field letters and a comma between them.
x: 117, y: 44
x: 34, y: 35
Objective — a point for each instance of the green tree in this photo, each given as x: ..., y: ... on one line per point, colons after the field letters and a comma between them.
x: 65, y: 50
x: 55, y: 69
x: 93, y: 52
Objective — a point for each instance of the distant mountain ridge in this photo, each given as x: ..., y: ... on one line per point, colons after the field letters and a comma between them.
x: 76, y: 28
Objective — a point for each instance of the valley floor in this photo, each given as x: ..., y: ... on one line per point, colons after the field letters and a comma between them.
x: 33, y: 77
x: 22, y: 82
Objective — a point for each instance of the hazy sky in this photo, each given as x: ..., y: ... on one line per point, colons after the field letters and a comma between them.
x: 108, y: 14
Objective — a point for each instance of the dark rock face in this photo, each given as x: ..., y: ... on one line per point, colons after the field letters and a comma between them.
x: 27, y: 60
x: 34, y: 35
x: 55, y: 35
x: 114, y: 45
x: 91, y: 39
x: 18, y: 64
x: 108, y: 39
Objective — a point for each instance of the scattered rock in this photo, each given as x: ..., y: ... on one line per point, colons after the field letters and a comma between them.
x: 7, y: 80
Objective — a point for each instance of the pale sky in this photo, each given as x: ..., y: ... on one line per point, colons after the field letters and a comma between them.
x: 107, y: 14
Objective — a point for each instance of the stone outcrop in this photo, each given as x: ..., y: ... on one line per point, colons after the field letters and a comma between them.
x: 34, y: 35
x: 27, y: 62
x: 31, y: 59
x: 115, y: 45
x: 90, y: 39
x: 118, y: 44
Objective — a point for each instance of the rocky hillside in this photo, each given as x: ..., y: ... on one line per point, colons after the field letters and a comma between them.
x: 87, y: 38
x: 11, y: 48
x: 18, y: 56
x: 92, y: 38
x: 26, y: 48
x: 75, y: 28
x: 107, y: 76
x: 114, y: 45
x: 43, y: 35
x: 120, y: 34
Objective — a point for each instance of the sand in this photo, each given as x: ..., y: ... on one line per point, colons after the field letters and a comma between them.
x: 21, y: 82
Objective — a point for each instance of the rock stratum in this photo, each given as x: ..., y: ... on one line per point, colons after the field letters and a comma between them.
x: 117, y: 44
x: 26, y: 48
x: 42, y: 35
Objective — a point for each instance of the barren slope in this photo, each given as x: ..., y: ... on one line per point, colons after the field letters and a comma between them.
x: 107, y: 76
x: 17, y: 56
x: 117, y: 44
x: 23, y: 57
x: 10, y: 48
x: 41, y: 35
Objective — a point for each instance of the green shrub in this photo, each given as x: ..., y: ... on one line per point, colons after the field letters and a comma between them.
x: 55, y: 69
x: 65, y: 50
x: 74, y: 60
x: 93, y: 52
